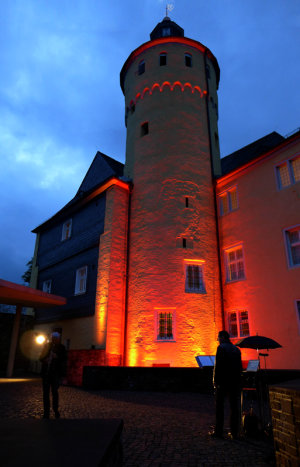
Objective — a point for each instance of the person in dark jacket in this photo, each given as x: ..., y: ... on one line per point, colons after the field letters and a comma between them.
x: 53, y: 360
x: 227, y: 382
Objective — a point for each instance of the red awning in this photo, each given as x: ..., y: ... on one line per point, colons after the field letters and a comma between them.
x: 15, y: 294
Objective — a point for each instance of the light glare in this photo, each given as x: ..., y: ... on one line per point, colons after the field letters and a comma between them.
x: 40, y: 339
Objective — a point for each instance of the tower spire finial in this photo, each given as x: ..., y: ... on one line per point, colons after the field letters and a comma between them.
x: 169, y: 8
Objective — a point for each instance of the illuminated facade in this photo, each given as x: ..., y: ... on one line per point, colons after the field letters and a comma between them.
x: 181, y: 243
x: 172, y: 162
x: 259, y: 224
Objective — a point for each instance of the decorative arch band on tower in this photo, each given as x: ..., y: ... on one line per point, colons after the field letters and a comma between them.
x: 167, y: 84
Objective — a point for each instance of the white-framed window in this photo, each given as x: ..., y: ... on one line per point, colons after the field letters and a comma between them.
x: 288, y: 172
x: 298, y: 314
x: 228, y: 201
x: 234, y: 261
x: 66, y: 230
x: 194, y: 277
x: 238, y: 323
x: 80, y: 283
x: 47, y: 286
x: 292, y: 241
x: 165, y: 324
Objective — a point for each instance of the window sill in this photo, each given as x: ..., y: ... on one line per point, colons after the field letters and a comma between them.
x: 282, y: 188
x: 65, y: 239
x: 201, y: 292
x: 163, y: 341
x: 234, y: 281
x: 294, y: 266
x: 229, y: 212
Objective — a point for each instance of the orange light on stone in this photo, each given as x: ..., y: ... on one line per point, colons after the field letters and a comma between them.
x: 171, y: 162
x: 102, y: 313
x: 132, y: 357
x: 196, y: 261
x: 111, y: 284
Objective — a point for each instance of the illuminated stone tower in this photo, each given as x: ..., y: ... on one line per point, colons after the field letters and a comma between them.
x: 172, y: 155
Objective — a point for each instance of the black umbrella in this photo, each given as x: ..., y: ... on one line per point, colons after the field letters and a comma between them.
x: 258, y: 343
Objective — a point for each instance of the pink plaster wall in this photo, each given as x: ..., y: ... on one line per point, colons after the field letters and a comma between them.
x: 271, y: 287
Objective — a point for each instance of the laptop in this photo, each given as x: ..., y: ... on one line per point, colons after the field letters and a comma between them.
x: 253, y: 365
x: 205, y: 360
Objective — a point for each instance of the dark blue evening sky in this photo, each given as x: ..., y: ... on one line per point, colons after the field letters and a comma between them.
x: 60, y: 99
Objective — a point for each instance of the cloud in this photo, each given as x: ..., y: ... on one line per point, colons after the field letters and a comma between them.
x: 60, y: 99
x: 36, y: 157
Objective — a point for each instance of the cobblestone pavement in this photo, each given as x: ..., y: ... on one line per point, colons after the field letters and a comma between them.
x: 160, y: 429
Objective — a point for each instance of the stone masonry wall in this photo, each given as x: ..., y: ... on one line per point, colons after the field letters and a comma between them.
x: 77, y: 359
x: 285, y: 406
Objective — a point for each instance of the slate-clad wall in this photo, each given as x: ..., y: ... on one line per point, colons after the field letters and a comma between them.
x: 58, y: 260
x: 63, y: 277
x: 87, y: 225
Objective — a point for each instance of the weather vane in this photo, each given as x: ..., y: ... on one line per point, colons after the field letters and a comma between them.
x: 169, y: 8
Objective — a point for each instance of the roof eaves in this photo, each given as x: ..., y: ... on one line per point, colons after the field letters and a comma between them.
x: 258, y: 157
x: 78, y: 200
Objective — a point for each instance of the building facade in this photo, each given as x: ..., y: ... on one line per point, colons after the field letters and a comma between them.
x: 259, y: 207
x: 157, y: 256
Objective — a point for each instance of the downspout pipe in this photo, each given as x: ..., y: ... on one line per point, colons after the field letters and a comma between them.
x: 214, y: 195
x: 124, y: 362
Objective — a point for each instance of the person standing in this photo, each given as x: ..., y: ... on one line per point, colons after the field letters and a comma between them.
x: 227, y: 382
x: 53, y: 360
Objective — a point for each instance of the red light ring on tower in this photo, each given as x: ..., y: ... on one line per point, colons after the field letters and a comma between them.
x: 179, y: 40
x: 167, y: 84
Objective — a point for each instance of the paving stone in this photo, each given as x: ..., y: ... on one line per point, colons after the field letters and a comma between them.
x: 160, y: 429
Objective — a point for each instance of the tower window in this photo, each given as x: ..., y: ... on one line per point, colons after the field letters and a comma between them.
x: 186, y: 202
x: 144, y: 128
x: 162, y: 59
x: 207, y: 69
x: 188, y: 60
x: 141, y: 68
x: 194, y: 278
x: 184, y: 243
x: 165, y: 324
